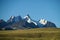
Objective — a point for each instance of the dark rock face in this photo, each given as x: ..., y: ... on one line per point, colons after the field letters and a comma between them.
x: 2, y: 24
x: 50, y: 25
x: 30, y: 25
x: 14, y: 19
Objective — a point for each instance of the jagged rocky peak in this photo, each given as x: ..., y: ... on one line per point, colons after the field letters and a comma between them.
x: 29, y: 20
x: 12, y: 17
x: 27, y: 16
x: 43, y: 21
x: 2, y: 20
x: 15, y: 19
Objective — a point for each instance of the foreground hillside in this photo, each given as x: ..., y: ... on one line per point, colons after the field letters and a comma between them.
x: 31, y: 34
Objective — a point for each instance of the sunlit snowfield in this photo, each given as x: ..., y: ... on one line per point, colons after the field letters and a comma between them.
x: 31, y: 34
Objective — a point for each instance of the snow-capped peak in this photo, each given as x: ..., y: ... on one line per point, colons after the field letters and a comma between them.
x: 12, y: 17
x: 43, y: 21
x: 29, y: 20
x: 28, y: 17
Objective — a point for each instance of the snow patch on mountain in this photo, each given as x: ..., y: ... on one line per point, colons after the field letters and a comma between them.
x: 11, y: 18
x: 34, y: 22
x: 26, y: 17
x: 43, y: 21
x: 29, y: 20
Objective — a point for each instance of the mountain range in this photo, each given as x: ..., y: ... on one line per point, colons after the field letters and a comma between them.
x: 17, y: 22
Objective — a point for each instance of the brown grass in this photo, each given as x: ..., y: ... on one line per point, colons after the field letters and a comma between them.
x: 31, y: 34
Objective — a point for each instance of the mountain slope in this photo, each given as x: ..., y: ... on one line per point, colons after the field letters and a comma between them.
x: 47, y: 24
x: 2, y: 24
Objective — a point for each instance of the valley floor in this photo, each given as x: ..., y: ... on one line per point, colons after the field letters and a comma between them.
x: 31, y: 34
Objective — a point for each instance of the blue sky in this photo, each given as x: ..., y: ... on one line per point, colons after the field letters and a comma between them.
x: 37, y: 9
